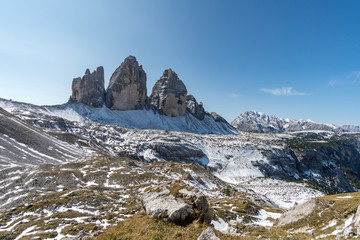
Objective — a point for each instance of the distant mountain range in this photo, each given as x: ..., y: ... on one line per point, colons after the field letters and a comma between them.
x: 252, y: 121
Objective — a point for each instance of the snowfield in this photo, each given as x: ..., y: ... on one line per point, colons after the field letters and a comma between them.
x: 137, y: 119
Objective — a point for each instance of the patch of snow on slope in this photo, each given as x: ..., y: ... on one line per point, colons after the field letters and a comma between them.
x: 220, y: 225
x: 140, y: 119
x: 234, y: 163
x: 67, y: 113
x: 331, y: 224
x: 344, y: 197
x: 347, y: 223
x: 284, y: 194
x: 262, y: 218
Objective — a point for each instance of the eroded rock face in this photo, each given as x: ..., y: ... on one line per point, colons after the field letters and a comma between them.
x: 163, y: 205
x: 195, y: 108
x: 217, y: 117
x: 127, y: 86
x: 89, y: 89
x: 298, y: 212
x: 169, y: 95
x: 208, y: 234
x: 181, y: 209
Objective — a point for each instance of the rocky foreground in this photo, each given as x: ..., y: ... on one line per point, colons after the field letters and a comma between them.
x: 83, y: 199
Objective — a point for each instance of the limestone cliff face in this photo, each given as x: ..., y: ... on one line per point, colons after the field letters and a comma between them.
x: 89, y: 89
x: 169, y: 95
x: 127, y: 86
x: 195, y: 108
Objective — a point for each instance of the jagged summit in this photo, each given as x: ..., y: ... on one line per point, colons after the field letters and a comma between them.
x: 127, y: 86
x: 195, y: 108
x: 252, y: 121
x: 89, y: 89
x: 127, y: 92
x: 169, y: 95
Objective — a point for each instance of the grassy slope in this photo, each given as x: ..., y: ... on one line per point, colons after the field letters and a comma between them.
x: 331, y: 207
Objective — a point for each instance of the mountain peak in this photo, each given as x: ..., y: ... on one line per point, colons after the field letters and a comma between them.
x: 169, y: 94
x: 252, y: 121
x: 89, y: 89
x: 127, y: 86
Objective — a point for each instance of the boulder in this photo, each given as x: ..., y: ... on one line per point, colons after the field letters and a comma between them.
x: 89, y: 89
x: 163, y: 205
x: 195, y: 108
x: 181, y: 209
x: 82, y: 235
x: 127, y: 86
x: 208, y: 234
x: 202, y: 205
x: 187, y: 194
x: 169, y: 95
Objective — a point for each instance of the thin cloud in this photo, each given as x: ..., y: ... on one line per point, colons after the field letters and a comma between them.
x: 234, y: 95
x: 346, y: 79
x: 283, y: 91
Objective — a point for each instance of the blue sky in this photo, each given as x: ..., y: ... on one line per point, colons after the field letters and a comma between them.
x: 293, y: 59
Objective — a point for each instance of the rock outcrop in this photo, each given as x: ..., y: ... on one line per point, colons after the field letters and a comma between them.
x: 195, y: 108
x: 89, y: 89
x: 163, y: 205
x: 169, y: 95
x: 218, y: 118
x: 208, y: 234
x: 297, y: 213
x: 127, y: 86
x: 202, y: 204
x: 181, y: 208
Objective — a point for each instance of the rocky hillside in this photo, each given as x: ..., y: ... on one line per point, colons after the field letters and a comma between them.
x: 161, y: 167
x: 248, y: 179
x: 329, y: 160
x: 328, y: 217
x: 262, y: 123
x: 125, y: 101
x: 24, y: 144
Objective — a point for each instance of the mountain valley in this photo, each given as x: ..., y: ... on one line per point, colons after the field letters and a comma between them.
x: 84, y: 169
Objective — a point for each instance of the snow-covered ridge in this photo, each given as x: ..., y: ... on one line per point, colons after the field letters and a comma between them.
x: 253, y: 121
x: 137, y: 119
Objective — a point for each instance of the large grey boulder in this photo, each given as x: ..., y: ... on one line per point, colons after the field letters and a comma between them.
x: 200, y: 203
x: 208, y: 234
x: 195, y: 108
x: 89, y: 89
x: 169, y: 95
x: 163, y: 205
x: 127, y: 86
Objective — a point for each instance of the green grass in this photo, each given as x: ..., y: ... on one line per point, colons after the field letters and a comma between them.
x: 328, y: 208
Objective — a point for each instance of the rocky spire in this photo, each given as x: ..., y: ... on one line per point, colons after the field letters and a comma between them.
x: 127, y: 86
x: 169, y: 95
x: 195, y: 108
x: 89, y: 89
